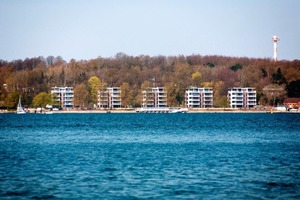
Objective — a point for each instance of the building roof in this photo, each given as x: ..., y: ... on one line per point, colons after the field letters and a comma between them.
x: 292, y: 100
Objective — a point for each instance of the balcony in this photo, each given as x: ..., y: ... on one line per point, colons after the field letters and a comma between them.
x: 194, y: 98
x: 68, y: 103
x: 208, y: 98
x: 194, y: 102
x: 162, y: 96
x: 237, y: 95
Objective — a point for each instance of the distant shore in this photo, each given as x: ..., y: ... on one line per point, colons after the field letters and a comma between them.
x: 198, y: 110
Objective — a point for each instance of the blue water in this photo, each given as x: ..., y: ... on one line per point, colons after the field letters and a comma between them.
x: 141, y: 156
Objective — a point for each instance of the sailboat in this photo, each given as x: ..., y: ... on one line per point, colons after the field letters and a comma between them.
x: 19, y: 108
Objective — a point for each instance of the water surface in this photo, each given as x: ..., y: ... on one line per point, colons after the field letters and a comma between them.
x: 160, y: 156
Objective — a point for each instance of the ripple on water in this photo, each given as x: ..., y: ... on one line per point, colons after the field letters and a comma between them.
x: 196, y: 156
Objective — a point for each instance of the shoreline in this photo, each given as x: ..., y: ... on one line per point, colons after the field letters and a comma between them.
x: 120, y: 111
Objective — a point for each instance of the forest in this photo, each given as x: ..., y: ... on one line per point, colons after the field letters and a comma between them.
x: 274, y: 81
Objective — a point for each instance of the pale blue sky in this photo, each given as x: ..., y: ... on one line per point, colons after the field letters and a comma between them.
x: 85, y: 29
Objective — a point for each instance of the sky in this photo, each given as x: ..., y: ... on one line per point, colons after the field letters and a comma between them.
x: 87, y: 29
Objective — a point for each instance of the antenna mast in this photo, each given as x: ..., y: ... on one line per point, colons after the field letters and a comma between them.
x: 275, y: 40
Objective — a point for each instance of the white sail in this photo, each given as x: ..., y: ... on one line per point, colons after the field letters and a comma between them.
x: 19, y: 108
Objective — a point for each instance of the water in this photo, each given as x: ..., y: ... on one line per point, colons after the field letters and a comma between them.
x: 141, y: 156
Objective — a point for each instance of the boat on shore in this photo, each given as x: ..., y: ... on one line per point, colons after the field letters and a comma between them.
x: 162, y: 110
x: 152, y: 110
x: 20, y: 109
x: 178, y: 110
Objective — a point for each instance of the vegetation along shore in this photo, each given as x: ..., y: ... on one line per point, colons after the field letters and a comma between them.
x: 273, y: 81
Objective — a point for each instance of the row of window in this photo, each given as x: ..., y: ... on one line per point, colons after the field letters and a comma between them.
x: 158, y: 94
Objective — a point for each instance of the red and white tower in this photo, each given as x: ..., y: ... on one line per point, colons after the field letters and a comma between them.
x: 275, y: 40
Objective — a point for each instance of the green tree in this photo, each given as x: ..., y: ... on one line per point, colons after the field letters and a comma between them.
x: 207, y: 84
x: 94, y: 84
x: 236, y: 67
x: 126, y: 95
x: 42, y: 99
x: 293, y: 88
x: 220, y: 91
x: 196, y: 77
x: 221, y: 101
x: 81, y: 95
x: 172, y: 94
x: 278, y: 77
x: 210, y: 65
x: 275, y: 94
x: 55, y: 100
x: 11, y: 100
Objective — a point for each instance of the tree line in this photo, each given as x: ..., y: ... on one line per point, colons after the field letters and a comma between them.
x: 133, y: 74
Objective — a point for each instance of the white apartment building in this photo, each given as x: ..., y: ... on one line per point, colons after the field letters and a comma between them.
x: 154, y: 97
x: 242, y: 97
x: 199, y: 97
x: 65, y: 96
x: 110, y: 98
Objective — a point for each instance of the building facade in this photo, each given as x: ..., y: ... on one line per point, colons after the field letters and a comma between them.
x: 199, y: 97
x: 241, y: 97
x: 292, y: 103
x: 155, y: 97
x: 65, y: 96
x: 110, y: 98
